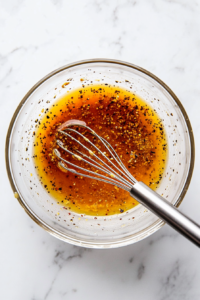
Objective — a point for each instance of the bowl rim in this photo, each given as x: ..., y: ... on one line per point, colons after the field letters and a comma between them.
x: 98, y: 244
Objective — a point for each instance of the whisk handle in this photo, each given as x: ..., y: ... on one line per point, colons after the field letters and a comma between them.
x: 166, y: 211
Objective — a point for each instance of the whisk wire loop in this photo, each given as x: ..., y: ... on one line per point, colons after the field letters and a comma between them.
x: 57, y: 153
x: 124, y: 171
x: 93, y: 154
x: 120, y: 176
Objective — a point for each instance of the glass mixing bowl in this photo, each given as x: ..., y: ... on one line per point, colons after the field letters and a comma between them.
x: 109, y: 231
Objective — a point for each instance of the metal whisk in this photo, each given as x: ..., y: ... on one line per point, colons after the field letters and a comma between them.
x: 115, y: 173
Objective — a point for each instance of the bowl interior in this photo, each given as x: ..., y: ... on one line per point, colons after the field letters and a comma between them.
x: 109, y: 231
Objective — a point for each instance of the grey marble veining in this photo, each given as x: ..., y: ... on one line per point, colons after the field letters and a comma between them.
x: 39, y: 36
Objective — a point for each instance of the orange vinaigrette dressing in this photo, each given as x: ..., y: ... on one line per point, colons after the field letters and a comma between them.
x: 128, y: 123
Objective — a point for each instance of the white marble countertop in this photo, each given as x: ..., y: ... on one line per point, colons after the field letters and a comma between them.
x: 37, y: 37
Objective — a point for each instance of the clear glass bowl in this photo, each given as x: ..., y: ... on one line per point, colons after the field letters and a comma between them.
x: 110, y: 231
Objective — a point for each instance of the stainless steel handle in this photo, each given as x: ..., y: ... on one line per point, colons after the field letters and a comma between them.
x: 166, y: 211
